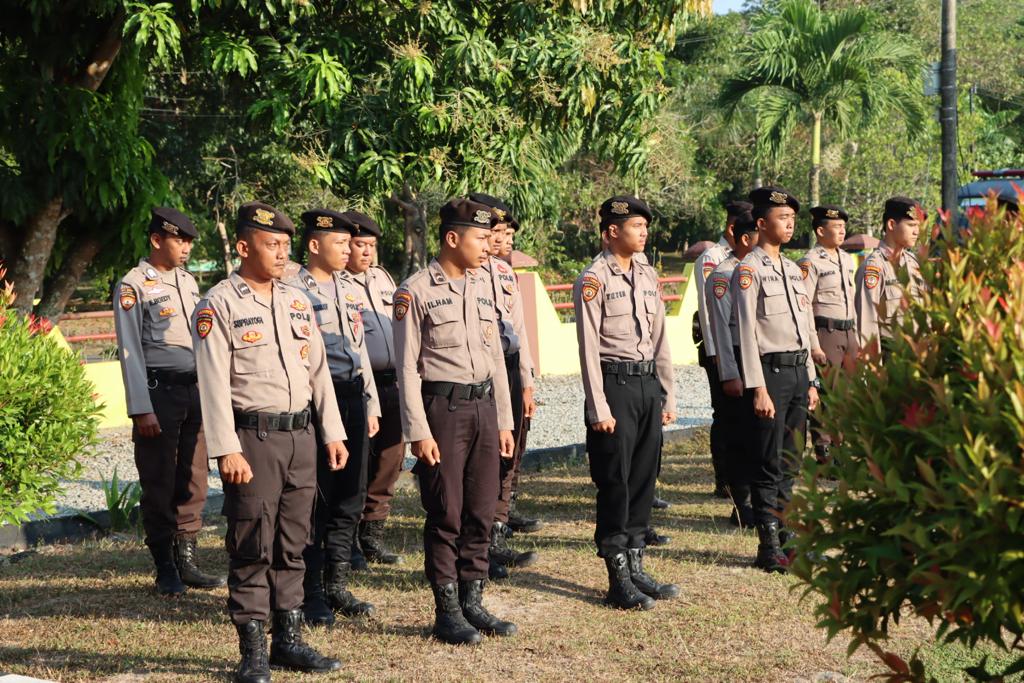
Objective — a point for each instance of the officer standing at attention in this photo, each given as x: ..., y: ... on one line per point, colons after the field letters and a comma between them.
x: 628, y: 382
x: 337, y: 304
x: 774, y: 340
x: 829, y: 279
x: 387, y: 450
x: 722, y: 318
x: 707, y: 349
x: 879, y: 290
x: 261, y: 360
x: 151, y: 316
x: 519, y: 369
x: 457, y: 415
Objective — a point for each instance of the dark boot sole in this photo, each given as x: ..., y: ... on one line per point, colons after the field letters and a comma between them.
x: 391, y: 561
x: 642, y: 606
x: 526, y: 528
x: 470, y: 641
x: 206, y: 586
x: 304, y: 669
x: 654, y: 595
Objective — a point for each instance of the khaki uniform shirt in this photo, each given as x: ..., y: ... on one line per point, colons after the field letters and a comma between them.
x: 880, y: 293
x: 259, y: 355
x: 508, y: 301
x: 152, y: 311
x: 722, y: 317
x: 772, y: 312
x: 829, y: 283
x: 707, y: 262
x: 619, y: 317
x: 339, y: 317
x: 379, y: 292
x: 444, y: 333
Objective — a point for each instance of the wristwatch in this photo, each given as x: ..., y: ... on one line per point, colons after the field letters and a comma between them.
x: 816, y: 383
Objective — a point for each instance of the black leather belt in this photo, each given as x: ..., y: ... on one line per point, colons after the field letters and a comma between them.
x: 785, y: 359
x: 170, y: 377
x: 628, y: 368
x: 385, y: 376
x: 273, y: 422
x: 453, y: 390
x: 350, y: 388
x: 821, y: 322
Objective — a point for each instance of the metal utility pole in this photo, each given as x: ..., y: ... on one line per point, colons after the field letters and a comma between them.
x: 947, y: 115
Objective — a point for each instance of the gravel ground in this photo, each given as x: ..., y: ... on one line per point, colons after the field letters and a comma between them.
x: 559, y: 422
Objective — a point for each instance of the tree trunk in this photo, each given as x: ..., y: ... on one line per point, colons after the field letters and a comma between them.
x: 59, y: 291
x: 30, y: 264
x: 223, y: 232
x: 414, y: 217
x: 816, y: 161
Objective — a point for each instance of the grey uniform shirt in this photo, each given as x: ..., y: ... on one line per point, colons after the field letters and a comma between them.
x: 722, y: 316
x: 258, y: 354
x: 619, y: 317
x: 338, y: 308
x: 152, y: 310
x: 446, y: 332
x: 508, y: 302
x: 880, y: 293
x: 707, y: 262
x: 379, y: 292
x: 772, y: 312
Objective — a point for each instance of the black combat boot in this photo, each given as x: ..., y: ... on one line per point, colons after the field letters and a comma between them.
x: 622, y: 593
x: 471, y: 595
x: 252, y: 645
x: 495, y: 571
x: 358, y: 560
x: 652, y: 537
x: 371, y: 540
x: 646, y: 583
x: 168, y: 581
x: 517, y: 522
x: 501, y: 554
x: 721, y: 490
x: 769, y: 554
x: 185, y: 559
x: 338, y: 595
x: 314, y: 605
x: 742, y: 511
x: 450, y: 625
x: 289, y: 651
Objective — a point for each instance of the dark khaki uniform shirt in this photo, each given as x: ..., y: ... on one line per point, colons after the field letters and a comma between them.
x: 830, y: 283
x: 707, y: 263
x: 619, y: 317
x: 508, y: 300
x: 446, y: 332
x: 880, y: 293
x: 379, y: 292
x: 259, y: 355
x: 152, y: 311
x: 722, y: 317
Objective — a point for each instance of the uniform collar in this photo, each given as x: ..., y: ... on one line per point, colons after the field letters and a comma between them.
x: 307, y: 279
x: 722, y: 242
x: 359, y: 278
x: 439, y: 277
x: 244, y: 290
x: 613, y: 263
x: 153, y: 273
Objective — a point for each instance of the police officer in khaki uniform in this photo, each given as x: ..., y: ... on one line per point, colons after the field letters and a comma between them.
x: 519, y: 369
x: 707, y: 348
x: 261, y: 361
x: 879, y: 290
x: 828, y: 277
x: 731, y: 411
x: 151, y: 316
x: 457, y: 415
x: 338, y: 305
x: 387, y: 450
x: 628, y: 382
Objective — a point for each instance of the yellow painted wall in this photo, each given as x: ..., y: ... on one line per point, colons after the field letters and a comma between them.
x: 106, y: 377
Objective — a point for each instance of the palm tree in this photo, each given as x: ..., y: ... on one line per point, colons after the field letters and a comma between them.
x: 810, y: 67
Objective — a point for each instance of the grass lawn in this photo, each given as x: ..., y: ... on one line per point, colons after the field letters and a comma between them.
x: 86, y: 612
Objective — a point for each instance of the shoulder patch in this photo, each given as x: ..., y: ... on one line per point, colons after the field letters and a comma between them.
x: 204, y: 321
x: 746, y: 276
x: 872, y: 276
x: 708, y: 268
x: 127, y: 297
x: 589, y: 287
x: 402, y: 301
x: 720, y: 285
x: 805, y: 266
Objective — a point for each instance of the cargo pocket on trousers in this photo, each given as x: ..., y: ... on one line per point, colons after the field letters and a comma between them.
x: 247, y: 526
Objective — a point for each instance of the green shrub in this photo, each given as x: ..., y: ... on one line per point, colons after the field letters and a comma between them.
x: 47, y: 414
x: 927, y: 515
x: 121, y: 498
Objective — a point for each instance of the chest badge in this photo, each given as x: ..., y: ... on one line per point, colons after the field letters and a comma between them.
x: 167, y: 312
x: 252, y: 336
x: 304, y: 352
x: 298, y: 305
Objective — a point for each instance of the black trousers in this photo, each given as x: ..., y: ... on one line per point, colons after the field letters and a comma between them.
x: 772, y: 459
x: 722, y: 432
x: 341, y: 494
x: 509, y: 467
x: 624, y: 464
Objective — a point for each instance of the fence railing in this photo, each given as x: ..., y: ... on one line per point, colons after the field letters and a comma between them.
x: 566, y: 305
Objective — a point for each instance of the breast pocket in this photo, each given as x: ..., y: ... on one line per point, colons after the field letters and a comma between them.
x: 803, y: 302
x: 250, y: 351
x: 651, y: 306
x: 618, y: 318
x: 892, y: 296
x: 355, y: 323
x: 773, y: 298
x: 158, y: 320
x: 447, y: 328
x: 488, y: 324
x: 301, y: 331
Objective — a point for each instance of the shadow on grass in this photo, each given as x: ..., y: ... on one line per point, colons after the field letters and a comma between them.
x: 191, y: 667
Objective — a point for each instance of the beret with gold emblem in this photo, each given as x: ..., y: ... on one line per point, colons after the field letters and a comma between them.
x: 171, y: 222
x: 325, y: 220
x: 464, y: 212
x: 827, y: 212
x: 365, y: 224
x: 622, y: 207
x: 263, y: 217
x: 500, y: 208
x: 902, y: 208
x: 769, y: 197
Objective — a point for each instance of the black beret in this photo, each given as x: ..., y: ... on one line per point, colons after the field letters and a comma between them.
x: 622, y: 207
x: 902, y: 208
x: 738, y: 208
x: 768, y: 197
x: 500, y: 208
x: 263, y: 217
x: 364, y: 224
x: 743, y: 224
x: 828, y: 212
x: 325, y: 220
x: 171, y: 221
x: 463, y: 212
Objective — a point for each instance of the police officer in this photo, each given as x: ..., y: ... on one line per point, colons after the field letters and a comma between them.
x: 457, y: 415
x: 707, y: 349
x: 337, y: 304
x: 774, y: 339
x: 722, y: 323
x: 519, y: 369
x: 628, y: 382
x: 151, y: 316
x: 829, y: 280
x: 261, y: 360
x: 387, y: 450
x: 879, y: 290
